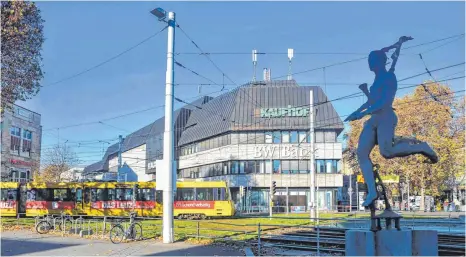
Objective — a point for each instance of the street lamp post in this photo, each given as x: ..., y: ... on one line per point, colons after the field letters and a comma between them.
x: 168, y: 137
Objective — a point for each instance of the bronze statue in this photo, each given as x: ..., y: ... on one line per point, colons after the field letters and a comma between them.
x: 380, y: 128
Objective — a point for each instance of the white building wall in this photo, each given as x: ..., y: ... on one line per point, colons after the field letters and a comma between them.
x: 134, y: 164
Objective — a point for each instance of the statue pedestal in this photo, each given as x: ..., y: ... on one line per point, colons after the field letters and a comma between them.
x: 391, y: 243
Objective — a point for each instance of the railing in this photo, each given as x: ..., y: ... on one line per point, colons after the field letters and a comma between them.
x: 258, y: 233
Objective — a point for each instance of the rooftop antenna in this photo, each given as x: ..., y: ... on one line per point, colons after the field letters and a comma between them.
x: 254, y: 63
x: 290, y: 56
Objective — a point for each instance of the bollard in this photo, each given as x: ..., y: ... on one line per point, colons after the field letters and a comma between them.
x: 104, y: 226
x: 198, y: 231
x: 17, y: 220
x: 62, y: 226
x: 258, y: 239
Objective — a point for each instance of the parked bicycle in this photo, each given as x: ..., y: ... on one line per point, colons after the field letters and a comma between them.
x: 50, y: 222
x: 134, y: 231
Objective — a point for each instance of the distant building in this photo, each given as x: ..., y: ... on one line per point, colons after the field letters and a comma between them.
x: 21, y: 136
x: 73, y: 174
x: 247, y: 137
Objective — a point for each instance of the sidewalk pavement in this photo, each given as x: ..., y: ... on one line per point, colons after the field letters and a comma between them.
x: 28, y: 243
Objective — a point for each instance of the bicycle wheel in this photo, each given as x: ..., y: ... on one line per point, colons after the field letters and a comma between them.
x: 43, y: 227
x: 136, y: 232
x: 117, y: 234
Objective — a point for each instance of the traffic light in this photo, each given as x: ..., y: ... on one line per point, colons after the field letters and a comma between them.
x: 274, y: 187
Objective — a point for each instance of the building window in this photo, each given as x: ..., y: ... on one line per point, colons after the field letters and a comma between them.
x: 268, y: 137
x: 15, y: 139
x: 302, y: 137
x: 320, y: 166
x: 249, y: 167
x: 303, y: 166
x: 285, y: 137
x: 285, y: 167
x: 277, y: 137
x: 319, y: 137
x: 225, y: 168
x: 241, y: 167
x: 260, y: 167
x: 234, y: 167
x: 27, y: 141
x: 251, y: 138
x: 294, y: 137
x: 330, y: 137
x: 260, y: 138
x: 268, y: 166
x: 243, y: 138
x: 294, y: 167
x: 276, y: 166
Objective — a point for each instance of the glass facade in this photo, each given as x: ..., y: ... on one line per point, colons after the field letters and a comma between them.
x: 258, y: 137
x: 259, y: 167
x: 297, y: 198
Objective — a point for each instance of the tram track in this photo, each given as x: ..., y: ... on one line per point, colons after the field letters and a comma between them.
x: 332, y: 241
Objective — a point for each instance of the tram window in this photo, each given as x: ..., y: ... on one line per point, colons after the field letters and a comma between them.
x: 79, y: 195
x: 185, y: 194
x: 159, y: 196
x: 204, y: 194
x: 8, y: 194
x: 86, y: 195
x: 98, y: 194
x: 128, y: 194
x: 146, y: 194
x: 111, y: 194
x: 31, y: 195
x: 61, y: 194
x: 120, y: 194
x: 219, y: 194
x: 44, y: 195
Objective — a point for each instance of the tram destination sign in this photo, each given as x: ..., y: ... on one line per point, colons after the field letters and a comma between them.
x: 284, y: 112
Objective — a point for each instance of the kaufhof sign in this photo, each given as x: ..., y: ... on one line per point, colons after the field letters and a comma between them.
x: 284, y: 112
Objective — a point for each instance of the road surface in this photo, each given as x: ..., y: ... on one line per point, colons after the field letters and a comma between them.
x: 25, y: 242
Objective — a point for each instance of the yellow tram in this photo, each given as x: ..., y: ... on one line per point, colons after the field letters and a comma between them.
x: 197, y: 200
x: 9, y: 198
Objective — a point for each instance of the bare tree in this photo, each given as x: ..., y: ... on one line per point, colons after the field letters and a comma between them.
x: 56, y: 164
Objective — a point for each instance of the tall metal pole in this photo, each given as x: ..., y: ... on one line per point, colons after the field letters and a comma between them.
x: 312, y: 161
x: 350, y: 192
x: 409, y: 200
x: 168, y: 137
x: 271, y: 190
x: 120, y: 137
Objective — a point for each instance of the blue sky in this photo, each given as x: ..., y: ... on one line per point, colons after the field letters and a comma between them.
x: 80, y: 35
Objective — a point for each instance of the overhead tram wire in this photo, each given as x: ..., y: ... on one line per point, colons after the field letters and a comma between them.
x: 280, y: 76
x: 216, y: 66
x: 107, y: 60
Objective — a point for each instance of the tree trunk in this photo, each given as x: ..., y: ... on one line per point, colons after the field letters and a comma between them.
x: 423, y: 187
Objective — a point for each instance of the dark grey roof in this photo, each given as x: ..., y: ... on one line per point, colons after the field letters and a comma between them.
x: 98, y: 166
x: 240, y: 110
x: 150, y: 133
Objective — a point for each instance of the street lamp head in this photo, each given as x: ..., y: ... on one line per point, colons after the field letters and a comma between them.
x: 159, y: 13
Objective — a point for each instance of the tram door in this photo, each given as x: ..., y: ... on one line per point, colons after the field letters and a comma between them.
x: 86, y: 202
x: 79, y: 201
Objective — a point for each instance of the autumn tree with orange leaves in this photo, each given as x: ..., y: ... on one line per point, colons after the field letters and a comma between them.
x: 435, y: 116
x: 22, y: 38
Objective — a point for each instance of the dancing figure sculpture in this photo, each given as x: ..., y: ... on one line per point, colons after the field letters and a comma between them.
x: 380, y: 128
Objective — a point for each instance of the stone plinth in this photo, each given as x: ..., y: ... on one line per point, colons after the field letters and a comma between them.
x: 391, y: 243
x: 425, y: 243
x: 359, y: 243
